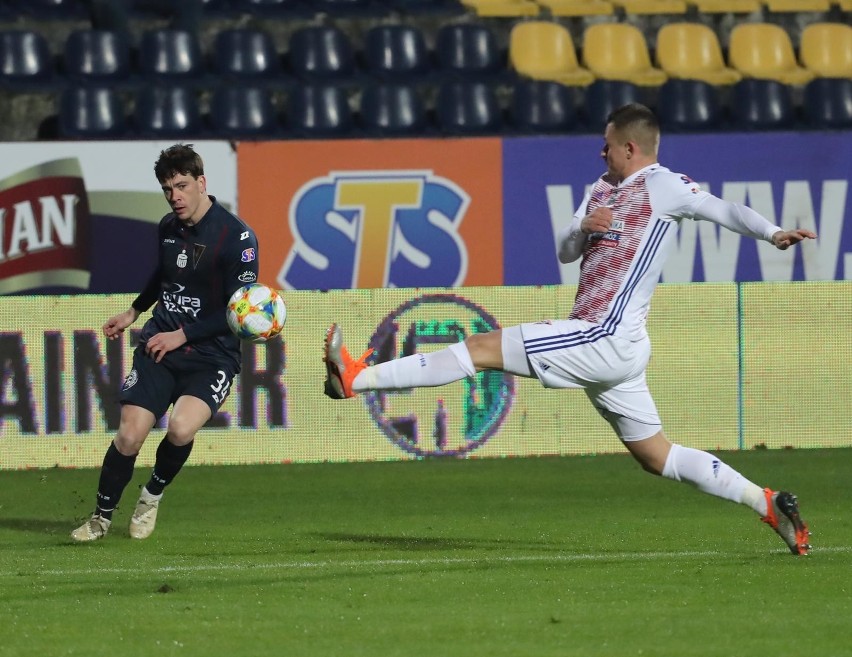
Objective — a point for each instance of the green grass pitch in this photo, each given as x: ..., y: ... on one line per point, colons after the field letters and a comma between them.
x: 585, y: 556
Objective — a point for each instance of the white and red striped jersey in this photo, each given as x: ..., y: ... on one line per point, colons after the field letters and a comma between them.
x: 621, y: 268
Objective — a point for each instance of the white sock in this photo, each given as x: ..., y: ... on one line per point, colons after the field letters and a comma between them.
x: 418, y: 370
x: 710, y: 475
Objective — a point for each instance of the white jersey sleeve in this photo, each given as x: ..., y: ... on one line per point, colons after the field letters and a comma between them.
x: 572, y: 239
x: 675, y: 196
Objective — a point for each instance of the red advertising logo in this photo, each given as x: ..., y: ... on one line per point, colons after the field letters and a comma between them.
x: 44, y: 228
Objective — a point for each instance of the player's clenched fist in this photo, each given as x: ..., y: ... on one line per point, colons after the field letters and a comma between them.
x: 597, y: 221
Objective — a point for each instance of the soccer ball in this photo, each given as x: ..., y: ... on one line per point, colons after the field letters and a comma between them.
x: 256, y: 313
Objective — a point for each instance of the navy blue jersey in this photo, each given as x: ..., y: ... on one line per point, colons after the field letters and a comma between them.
x: 199, y: 267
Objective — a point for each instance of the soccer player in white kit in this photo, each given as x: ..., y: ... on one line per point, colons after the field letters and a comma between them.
x: 623, y: 230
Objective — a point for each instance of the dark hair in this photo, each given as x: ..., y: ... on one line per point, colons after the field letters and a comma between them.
x: 179, y: 159
x: 637, y: 123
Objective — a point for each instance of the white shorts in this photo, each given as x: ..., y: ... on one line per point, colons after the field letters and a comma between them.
x: 572, y: 353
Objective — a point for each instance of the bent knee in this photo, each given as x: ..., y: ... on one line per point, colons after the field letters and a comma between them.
x: 485, y: 350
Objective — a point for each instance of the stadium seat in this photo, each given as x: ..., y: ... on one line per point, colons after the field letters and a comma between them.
x: 825, y: 49
x: 468, y: 50
x: 544, y: 50
x: 618, y: 51
x: 318, y: 111
x: 91, y: 112
x: 426, y: 7
x: 652, y: 7
x: 467, y: 108
x: 604, y: 96
x: 395, y: 52
x: 167, y: 111
x: 692, y: 51
x: 827, y: 103
x: 269, y: 9
x: 25, y: 58
x: 245, y: 53
x: 758, y: 104
x: 242, y: 112
x: 688, y: 106
x: 715, y: 7
x: 797, y: 6
x: 542, y: 106
x: 503, y: 8
x: 51, y: 9
x: 392, y: 109
x: 765, y: 51
x: 578, y: 8
x: 96, y: 56
x: 166, y: 53
x: 321, y: 52
x: 349, y: 8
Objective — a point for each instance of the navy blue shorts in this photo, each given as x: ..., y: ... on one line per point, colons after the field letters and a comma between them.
x: 156, y: 386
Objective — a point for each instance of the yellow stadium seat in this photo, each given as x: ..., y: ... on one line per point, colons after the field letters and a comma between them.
x: 579, y: 8
x: 618, y: 51
x: 765, y: 51
x: 503, y: 8
x: 691, y: 51
x: 797, y: 6
x: 726, y: 6
x: 544, y: 50
x: 652, y: 7
x: 826, y: 50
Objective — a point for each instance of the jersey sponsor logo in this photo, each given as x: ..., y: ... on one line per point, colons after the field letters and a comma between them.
x: 438, y: 422
x: 244, y: 235
x: 177, y: 302
x: 611, y: 238
x: 694, y: 188
x: 617, y: 226
x: 248, y: 255
x: 168, y: 240
x: 377, y: 229
x: 247, y: 277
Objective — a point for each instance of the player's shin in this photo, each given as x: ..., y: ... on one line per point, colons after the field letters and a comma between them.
x: 711, y: 475
x: 418, y: 370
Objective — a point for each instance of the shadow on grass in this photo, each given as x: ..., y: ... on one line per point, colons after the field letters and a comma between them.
x: 37, y: 525
x: 428, y: 542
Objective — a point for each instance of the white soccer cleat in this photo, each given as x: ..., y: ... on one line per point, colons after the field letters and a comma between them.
x: 145, y: 515
x: 94, y: 528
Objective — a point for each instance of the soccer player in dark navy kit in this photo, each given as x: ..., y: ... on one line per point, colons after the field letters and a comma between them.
x: 186, y: 357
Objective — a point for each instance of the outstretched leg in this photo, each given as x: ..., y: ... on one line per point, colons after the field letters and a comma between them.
x: 708, y: 473
x: 346, y: 376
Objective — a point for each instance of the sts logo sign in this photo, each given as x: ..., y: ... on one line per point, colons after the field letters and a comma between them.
x: 376, y: 229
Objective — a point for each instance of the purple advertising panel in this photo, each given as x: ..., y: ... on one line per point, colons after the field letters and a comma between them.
x: 796, y: 180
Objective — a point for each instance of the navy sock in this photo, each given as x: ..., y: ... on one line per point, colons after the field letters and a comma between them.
x: 116, y: 473
x: 170, y: 459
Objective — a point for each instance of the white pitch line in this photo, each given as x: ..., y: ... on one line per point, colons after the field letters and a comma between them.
x: 382, y: 563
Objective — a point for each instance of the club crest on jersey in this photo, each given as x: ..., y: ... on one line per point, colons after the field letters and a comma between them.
x: 197, y: 251
x: 131, y: 379
x: 182, y: 259
x: 247, y: 255
x: 247, y: 277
